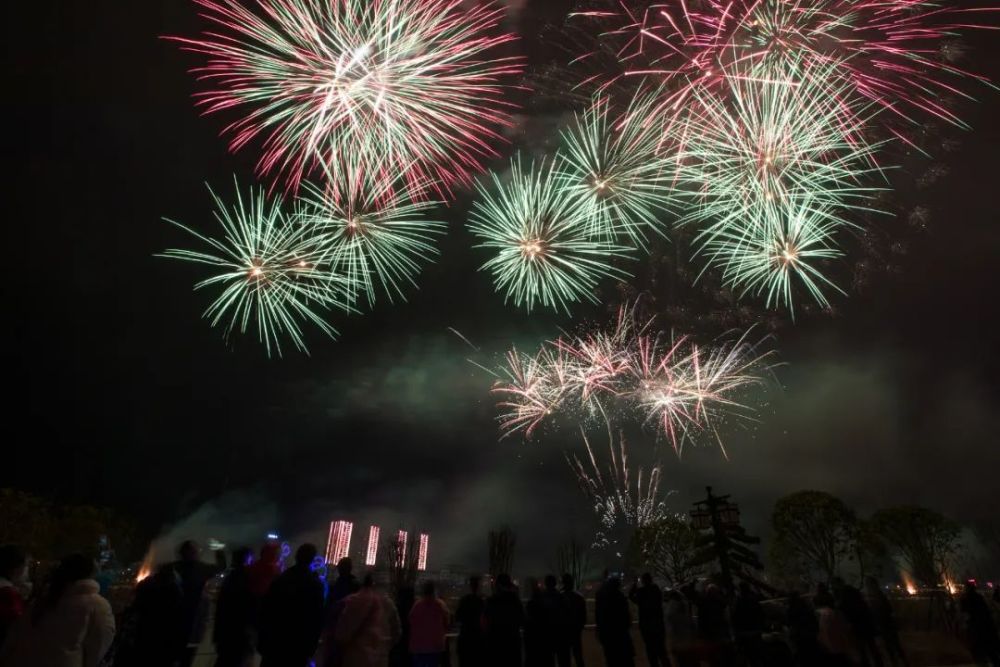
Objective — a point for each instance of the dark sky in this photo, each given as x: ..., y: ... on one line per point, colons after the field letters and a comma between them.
x: 118, y: 393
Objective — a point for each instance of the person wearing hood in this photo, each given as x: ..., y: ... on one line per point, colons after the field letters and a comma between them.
x: 70, y: 625
x: 366, y: 630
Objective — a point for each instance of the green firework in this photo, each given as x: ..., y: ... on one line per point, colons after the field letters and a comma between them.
x: 371, y: 229
x: 270, y: 269
x: 614, y: 165
x: 540, y: 232
x: 795, y: 239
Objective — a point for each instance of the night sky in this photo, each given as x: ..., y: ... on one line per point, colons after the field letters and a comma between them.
x: 118, y: 393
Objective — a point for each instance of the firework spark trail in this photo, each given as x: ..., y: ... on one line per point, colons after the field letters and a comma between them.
x: 539, y: 231
x: 624, y: 498
x: 895, y: 53
x: 370, y: 228
x: 272, y: 270
x: 393, y: 81
x: 684, y: 388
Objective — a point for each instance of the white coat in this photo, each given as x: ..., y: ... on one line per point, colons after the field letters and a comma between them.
x: 76, y: 632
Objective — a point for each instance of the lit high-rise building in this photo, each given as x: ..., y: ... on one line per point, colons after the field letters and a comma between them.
x: 422, y: 554
x: 372, y: 552
x: 338, y: 543
x: 401, y: 539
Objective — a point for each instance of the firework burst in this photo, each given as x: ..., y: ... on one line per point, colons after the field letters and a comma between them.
x: 613, y: 164
x: 371, y: 230
x: 540, y: 232
x: 795, y: 239
x: 397, y: 82
x: 271, y: 270
x: 899, y: 54
x: 781, y: 138
x: 757, y: 172
x: 637, y: 373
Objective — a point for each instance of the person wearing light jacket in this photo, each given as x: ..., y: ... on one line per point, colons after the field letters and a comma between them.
x: 70, y: 625
x: 365, y: 630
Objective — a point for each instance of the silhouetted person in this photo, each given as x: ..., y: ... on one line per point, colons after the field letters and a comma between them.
x: 648, y: 598
x: 556, y: 621
x: 233, y: 630
x: 264, y: 570
x: 469, y: 615
x: 503, y: 618
x: 189, y: 625
x: 346, y: 583
x: 148, y: 635
x: 400, y: 654
x: 885, y: 621
x: 712, y: 624
x: 980, y: 630
x: 748, y: 625
x: 680, y: 630
x: 613, y: 621
x: 428, y: 628
x: 576, y: 607
x: 537, y: 642
x: 13, y: 576
x: 852, y: 605
x: 366, y: 629
x: 803, y: 630
x: 69, y: 625
x: 834, y: 629
x: 292, y: 615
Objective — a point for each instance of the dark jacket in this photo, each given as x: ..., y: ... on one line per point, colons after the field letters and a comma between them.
x: 855, y: 609
x: 234, y: 611
x: 503, y: 618
x: 612, y: 615
x: 292, y: 617
x: 577, y: 606
x: 649, y: 600
x: 469, y: 615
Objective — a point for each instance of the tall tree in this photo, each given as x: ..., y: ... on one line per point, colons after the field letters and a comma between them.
x: 925, y: 540
x: 813, y: 532
x: 667, y: 547
x: 573, y: 558
x: 501, y: 550
x: 400, y: 559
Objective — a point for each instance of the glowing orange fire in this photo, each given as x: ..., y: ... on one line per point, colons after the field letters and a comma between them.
x: 911, y: 588
x: 950, y: 585
x: 146, y: 568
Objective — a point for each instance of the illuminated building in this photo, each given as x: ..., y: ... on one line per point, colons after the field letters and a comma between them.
x: 372, y: 552
x: 422, y: 554
x: 338, y: 543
